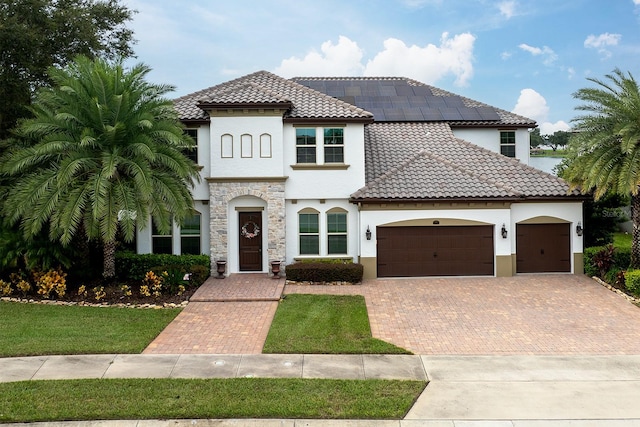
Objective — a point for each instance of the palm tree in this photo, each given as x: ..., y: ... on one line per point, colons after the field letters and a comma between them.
x: 605, y: 150
x: 104, y: 154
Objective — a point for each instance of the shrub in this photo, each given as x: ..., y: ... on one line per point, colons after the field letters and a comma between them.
x: 608, y: 257
x: 590, y: 268
x: 51, y: 281
x: 632, y: 281
x: 131, y: 266
x: 5, y: 288
x: 615, y: 276
x: 152, y: 284
x: 604, y: 259
x: 325, y: 272
x: 199, y: 273
x: 622, y: 258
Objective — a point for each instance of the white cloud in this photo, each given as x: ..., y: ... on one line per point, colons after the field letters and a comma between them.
x: 571, y: 72
x: 507, y: 9
x: 636, y: 2
x: 548, y: 53
x: 341, y: 59
x: 533, y: 105
x: 547, y: 128
x: 601, y: 42
x: 505, y: 55
x: 427, y: 64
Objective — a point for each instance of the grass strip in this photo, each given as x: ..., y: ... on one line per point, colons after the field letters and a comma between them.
x: 328, y: 324
x: 37, y: 329
x: 109, y: 399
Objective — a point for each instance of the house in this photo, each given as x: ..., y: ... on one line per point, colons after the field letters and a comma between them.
x: 407, y: 179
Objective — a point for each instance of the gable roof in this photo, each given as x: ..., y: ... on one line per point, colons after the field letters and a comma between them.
x: 266, y: 90
x: 425, y: 161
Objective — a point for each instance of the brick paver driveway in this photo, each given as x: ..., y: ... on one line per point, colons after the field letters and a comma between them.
x: 557, y: 314
x: 537, y: 314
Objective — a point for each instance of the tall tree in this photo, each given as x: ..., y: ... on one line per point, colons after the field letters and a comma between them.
x: 558, y: 139
x: 604, y: 154
x: 106, y: 154
x: 536, y: 139
x: 38, y: 34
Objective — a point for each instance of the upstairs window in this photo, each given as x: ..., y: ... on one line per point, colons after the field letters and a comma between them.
x: 192, y: 152
x: 309, y: 233
x: 508, y: 143
x: 337, y: 233
x: 305, y: 145
x: 334, y: 145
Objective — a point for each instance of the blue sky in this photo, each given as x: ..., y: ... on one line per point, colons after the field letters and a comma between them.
x: 526, y: 56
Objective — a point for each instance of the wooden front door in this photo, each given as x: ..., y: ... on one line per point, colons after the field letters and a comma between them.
x: 250, y: 238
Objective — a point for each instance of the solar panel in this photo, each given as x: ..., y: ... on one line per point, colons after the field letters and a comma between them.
x: 388, y: 91
x: 488, y: 113
x: 431, y: 114
x: 352, y: 91
x: 450, y: 113
x: 396, y: 100
x: 404, y: 90
x: 413, y: 114
x: 453, y: 101
x: 469, y: 113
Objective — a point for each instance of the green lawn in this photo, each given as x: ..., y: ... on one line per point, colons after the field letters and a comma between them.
x: 622, y: 240
x: 335, y: 324
x: 32, y: 401
x: 304, y: 323
x: 36, y: 329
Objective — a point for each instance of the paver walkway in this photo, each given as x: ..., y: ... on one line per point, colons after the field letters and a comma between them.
x: 228, y: 316
x: 554, y: 314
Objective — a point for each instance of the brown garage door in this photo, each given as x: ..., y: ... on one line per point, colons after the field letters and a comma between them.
x: 435, y: 251
x: 542, y: 248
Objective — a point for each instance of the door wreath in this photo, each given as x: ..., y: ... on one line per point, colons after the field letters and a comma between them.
x: 255, y: 230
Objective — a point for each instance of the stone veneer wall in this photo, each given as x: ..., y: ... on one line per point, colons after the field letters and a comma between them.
x: 223, y: 191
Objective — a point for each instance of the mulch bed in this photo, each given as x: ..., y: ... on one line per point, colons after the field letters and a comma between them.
x: 113, y: 296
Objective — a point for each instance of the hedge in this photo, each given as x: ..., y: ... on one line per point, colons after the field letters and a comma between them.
x: 621, y: 259
x: 131, y: 266
x: 325, y: 272
x: 632, y: 281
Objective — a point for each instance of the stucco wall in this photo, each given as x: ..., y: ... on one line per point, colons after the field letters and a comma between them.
x: 490, y: 139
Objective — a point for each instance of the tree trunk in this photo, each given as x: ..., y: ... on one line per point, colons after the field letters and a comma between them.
x: 109, y: 266
x: 635, y: 242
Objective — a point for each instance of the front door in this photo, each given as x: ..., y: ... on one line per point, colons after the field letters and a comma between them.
x: 250, y: 237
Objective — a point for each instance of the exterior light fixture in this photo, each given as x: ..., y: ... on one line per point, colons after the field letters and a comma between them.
x: 368, y: 233
x: 504, y: 231
x: 579, y: 229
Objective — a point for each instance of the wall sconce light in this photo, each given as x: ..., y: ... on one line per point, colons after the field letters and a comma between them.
x: 504, y: 231
x: 368, y: 233
x: 579, y: 229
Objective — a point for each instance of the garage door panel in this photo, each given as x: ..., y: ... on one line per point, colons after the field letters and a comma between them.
x: 543, y: 248
x: 435, y: 251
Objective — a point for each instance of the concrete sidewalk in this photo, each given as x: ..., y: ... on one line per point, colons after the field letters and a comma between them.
x: 464, y: 391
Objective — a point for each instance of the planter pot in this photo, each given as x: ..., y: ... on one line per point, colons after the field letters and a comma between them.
x: 221, y: 267
x: 275, y: 269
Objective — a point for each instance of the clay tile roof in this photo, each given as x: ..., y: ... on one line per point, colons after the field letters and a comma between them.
x: 264, y: 88
x: 424, y: 161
